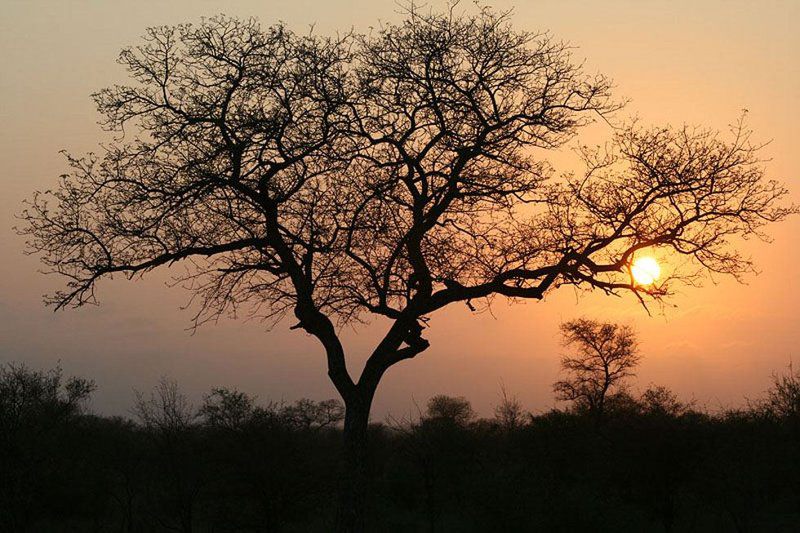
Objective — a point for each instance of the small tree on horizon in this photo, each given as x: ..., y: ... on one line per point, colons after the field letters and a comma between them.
x: 455, y: 410
x: 509, y: 413
x: 170, y: 421
x: 382, y: 176
x: 783, y: 396
x: 604, y: 356
x: 166, y: 410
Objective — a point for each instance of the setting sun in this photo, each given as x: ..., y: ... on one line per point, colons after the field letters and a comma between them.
x: 645, y: 270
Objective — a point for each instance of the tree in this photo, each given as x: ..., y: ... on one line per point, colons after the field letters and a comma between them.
x: 605, y: 355
x: 39, y: 410
x: 169, y: 420
x: 308, y: 414
x: 661, y: 401
x: 509, y: 412
x: 35, y: 397
x: 228, y: 409
x: 166, y: 410
x: 783, y: 397
x: 387, y: 175
x: 456, y: 411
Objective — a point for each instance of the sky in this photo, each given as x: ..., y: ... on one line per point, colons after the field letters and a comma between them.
x: 696, y: 62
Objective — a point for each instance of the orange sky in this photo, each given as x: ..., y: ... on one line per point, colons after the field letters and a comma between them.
x: 677, y: 61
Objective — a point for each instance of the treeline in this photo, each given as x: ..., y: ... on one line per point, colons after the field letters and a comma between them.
x: 649, y: 463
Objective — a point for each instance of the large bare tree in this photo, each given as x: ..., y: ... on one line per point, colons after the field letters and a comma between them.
x: 383, y: 175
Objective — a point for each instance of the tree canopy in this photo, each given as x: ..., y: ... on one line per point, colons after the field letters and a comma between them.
x: 389, y: 174
x: 604, y: 356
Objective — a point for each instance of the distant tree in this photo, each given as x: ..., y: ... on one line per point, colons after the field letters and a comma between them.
x: 386, y: 175
x: 38, y: 410
x: 170, y: 419
x: 509, y: 412
x: 166, y: 409
x: 605, y: 354
x: 783, y: 397
x: 308, y: 414
x: 659, y: 400
x: 455, y: 410
x: 28, y: 396
x: 228, y: 409
x: 272, y: 456
x: 437, y: 444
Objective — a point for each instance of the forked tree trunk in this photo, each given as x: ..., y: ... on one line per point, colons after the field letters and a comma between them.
x: 355, y: 477
x: 351, y: 514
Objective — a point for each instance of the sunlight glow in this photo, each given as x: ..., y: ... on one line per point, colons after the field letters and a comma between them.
x: 645, y: 270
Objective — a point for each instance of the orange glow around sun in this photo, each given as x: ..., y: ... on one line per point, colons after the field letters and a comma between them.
x: 645, y: 270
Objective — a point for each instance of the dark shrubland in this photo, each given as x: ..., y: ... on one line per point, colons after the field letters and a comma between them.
x: 652, y: 463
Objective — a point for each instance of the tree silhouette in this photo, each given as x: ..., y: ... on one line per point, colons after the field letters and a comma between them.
x: 660, y: 401
x: 168, y: 419
x: 37, y: 410
x: 450, y: 410
x: 229, y: 409
x: 509, y: 412
x: 308, y: 414
x: 783, y: 397
x: 605, y: 355
x: 383, y: 175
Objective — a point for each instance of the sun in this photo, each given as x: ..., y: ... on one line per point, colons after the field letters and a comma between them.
x: 645, y: 270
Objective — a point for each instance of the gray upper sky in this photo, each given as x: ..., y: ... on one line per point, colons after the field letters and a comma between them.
x: 695, y: 62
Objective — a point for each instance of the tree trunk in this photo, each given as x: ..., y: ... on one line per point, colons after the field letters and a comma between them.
x: 354, y: 481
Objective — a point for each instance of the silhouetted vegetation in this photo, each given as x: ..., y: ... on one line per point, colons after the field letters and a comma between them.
x: 381, y: 176
x: 653, y: 463
x: 605, y: 356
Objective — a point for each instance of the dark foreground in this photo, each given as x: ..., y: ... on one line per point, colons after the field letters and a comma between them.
x: 649, y: 463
